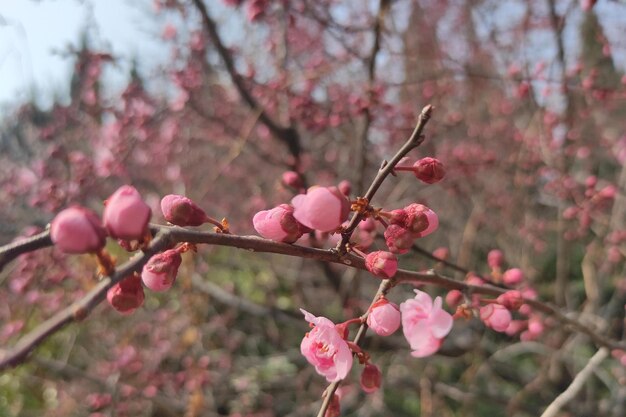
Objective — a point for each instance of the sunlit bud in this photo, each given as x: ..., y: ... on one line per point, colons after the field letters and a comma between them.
x: 160, y: 272
x: 370, y: 378
x: 77, y: 230
x: 382, y: 264
x: 182, y: 211
x: 278, y: 224
x: 126, y: 215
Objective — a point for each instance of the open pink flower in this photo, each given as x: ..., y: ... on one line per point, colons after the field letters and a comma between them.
x: 278, y: 224
x: 77, y: 230
x: 326, y: 349
x: 321, y: 208
x: 424, y: 323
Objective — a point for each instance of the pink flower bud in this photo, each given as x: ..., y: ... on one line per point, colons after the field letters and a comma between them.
x: 495, y: 258
x: 160, y: 272
x: 429, y: 170
x: 278, y: 224
x: 515, y: 327
x: 513, y: 276
x: 495, y: 316
x: 371, y: 378
x: 382, y: 264
x: 420, y: 220
x: 182, y: 211
x: 126, y: 215
x: 398, y: 239
x: 292, y: 179
x: 322, y: 208
x: 368, y: 225
x: 454, y: 298
x: 384, y: 317
x: 126, y: 295
x: 345, y: 187
x: 77, y: 230
x: 512, y: 299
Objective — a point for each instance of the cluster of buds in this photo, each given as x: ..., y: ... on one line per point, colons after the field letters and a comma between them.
x: 77, y: 230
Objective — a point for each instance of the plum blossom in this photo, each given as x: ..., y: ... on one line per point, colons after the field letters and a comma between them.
x: 321, y: 208
x: 495, y: 316
x: 278, y: 224
x: 429, y: 170
x: 382, y: 264
x: 182, y: 211
x: 160, y: 272
x: 325, y: 348
x: 424, y: 323
x: 370, y: 378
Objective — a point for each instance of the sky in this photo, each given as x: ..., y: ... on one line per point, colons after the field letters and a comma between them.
x: 35, y: 33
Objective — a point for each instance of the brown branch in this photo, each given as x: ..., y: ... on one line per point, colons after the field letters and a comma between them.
x: 169, y: 235
x: 14, y: 249
x: 289, y: 135
x: 414, y: 141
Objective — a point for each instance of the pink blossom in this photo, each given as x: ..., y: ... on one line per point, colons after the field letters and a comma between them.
x: 384, y: 317
x: 182, y: 211
x: 160, y: 272
x: 126, y: 215
x: 424, y: 323
x: 322, y: 208
x: 326, y: 349
x: 513, y: 276
x: 345, y: 187
x: 495, y: 316
x: 429, y: 170
x: 512, y: 299
x: 416, y: 218
x: 127, y: 295
x: 278, y: 224
x: 495, y: 257
x: 382, y: 264
x: 442, y: 253
x: 77, y: 230
x: 371, y: 378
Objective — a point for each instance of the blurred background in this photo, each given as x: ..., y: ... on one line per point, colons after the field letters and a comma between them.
x: 216, y: 99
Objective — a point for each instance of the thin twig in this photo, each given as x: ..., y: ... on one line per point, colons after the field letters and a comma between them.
x: 577, y: 384
x: 14, y: 249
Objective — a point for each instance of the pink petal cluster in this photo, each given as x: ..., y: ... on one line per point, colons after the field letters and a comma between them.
x: 160, y: 272
x: 182, y: 211
x: 424, y: 323
x: 278, y: 224
x: 371, y: 378
x: 430, y: 170
x: 512, y: 299
x: 326, y: 349
x: 495, y: 316
x: 321, y: 208
x: 77, y: 230
x: 127, y: 295
x: 382, y: 264
x: 384, y: 318
x: 126, y: 215
x: 292, y: 179
x: 454, y: 298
